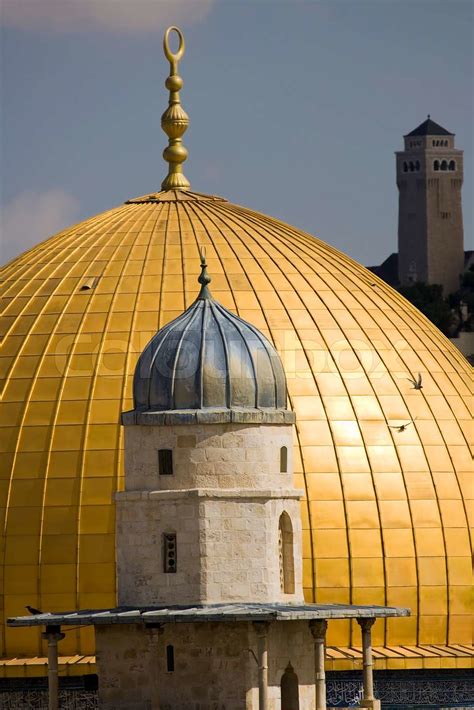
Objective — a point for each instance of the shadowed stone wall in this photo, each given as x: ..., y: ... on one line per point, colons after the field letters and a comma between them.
x: 213, y: 666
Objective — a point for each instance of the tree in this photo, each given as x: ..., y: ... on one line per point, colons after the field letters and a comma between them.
x: 429, y: 300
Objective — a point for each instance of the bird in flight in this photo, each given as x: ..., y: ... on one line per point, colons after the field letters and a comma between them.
x: 32, y: 610
x: 402, y: 427
x: 417, y: 384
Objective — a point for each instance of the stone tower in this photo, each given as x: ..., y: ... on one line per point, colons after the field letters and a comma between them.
x: 430, y: 226
x: 209, y: 513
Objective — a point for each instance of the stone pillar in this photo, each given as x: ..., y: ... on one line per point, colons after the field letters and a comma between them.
x: 368, y: 700
x: 261, y: 628
x: 155, y: 634
x: 318, y: 629
x: 52, y: 635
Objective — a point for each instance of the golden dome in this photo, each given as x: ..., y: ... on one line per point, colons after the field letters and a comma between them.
x: 385, y: 514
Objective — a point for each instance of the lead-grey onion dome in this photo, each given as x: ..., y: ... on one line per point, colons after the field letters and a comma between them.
x: 208, y: 357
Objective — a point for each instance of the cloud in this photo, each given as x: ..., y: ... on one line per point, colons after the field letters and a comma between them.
x: 119, y: 16
x: 32, y: 217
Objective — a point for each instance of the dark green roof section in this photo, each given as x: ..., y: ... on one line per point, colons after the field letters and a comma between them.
x: 429, y: 128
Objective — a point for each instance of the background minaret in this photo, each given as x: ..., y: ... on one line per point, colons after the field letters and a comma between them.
x: 430, y: 226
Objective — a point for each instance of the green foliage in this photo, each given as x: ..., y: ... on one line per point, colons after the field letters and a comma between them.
x: 445, y: 313
x: 467, y: 280
x: 429, y: 300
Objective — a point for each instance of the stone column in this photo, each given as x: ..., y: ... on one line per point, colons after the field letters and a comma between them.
x: 156, y: 632
x: 261, y: 628
x: 52, y: 635
x: 318, y: 629
x: 368, y: 700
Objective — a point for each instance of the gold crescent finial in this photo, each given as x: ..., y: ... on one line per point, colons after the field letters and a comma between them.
x: 175, y: 120
x: 170, y: 56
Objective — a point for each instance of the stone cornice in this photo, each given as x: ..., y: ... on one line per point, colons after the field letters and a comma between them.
x: 208, y: 416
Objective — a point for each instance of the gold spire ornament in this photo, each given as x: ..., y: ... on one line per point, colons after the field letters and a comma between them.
x: 204, y: 278
x: 175, y: 120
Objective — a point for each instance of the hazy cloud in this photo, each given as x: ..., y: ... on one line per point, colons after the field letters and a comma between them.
x: 32, y: 217
x: 122, y: 16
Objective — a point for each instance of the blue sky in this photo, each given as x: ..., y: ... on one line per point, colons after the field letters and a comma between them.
x: 296, y: 108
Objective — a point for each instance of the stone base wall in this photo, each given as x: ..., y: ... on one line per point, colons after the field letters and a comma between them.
x: 223, y: 503
x: 227, y: 547
x: 214, y: 667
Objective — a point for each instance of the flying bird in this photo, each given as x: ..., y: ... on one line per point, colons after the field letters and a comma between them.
x: 417, y: 384
x: 402, y: 427
x: 32, y: 610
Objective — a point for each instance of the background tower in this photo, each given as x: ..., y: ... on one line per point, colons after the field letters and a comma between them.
x: 430, y: 227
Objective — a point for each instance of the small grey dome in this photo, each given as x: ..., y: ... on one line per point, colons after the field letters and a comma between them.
x: 208, y: 358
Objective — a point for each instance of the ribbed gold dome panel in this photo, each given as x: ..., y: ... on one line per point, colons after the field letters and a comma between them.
x: 385, y: 516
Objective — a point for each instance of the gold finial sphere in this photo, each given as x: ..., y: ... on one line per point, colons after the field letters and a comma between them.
x: 175, y: 120
x: 174, y: 83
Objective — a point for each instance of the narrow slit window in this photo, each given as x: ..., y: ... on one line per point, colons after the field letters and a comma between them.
x: 283, y: 459
x: 165, y: 462
x: 170, y: 658
x: 169, y: 553
x: 285, y: 550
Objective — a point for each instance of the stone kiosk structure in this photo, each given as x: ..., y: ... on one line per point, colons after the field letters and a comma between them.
x: 211, y: 610
x: 209, y: 555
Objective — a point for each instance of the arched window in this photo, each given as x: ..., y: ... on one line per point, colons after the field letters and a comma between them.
x: 412, y: 167
x: 452, y: 165
x: 444, y: 165
x: 285, y: 549
x: 433, y: 142
x: 283, y: 459
x: 290, y: 699
x: 436, y: 165
x: 417, y: 165
x: 405, y: 167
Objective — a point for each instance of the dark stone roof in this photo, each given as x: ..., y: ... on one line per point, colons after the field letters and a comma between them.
x: 209, y: 612
x: 387, y: 270
x: 429, y: 128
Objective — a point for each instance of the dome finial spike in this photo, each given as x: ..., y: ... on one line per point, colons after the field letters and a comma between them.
x: 204, y: 278
x: 175, y: 120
